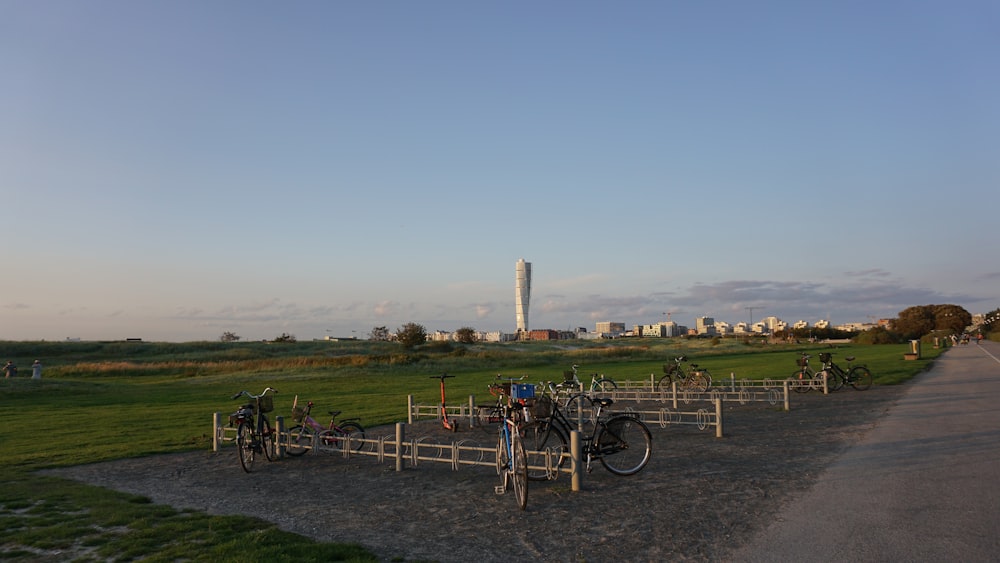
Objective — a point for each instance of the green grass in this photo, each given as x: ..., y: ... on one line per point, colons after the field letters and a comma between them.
x: 105, y: 401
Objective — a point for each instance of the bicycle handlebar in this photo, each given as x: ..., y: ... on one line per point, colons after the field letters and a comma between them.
x: 262, y: 393
x: 500, y: 376
x: 442, y: 377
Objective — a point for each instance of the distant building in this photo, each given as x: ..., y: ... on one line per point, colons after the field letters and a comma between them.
x: 705, y: 326
x: 608, y: 329
x: 543, y: 334
x: 667, y: 329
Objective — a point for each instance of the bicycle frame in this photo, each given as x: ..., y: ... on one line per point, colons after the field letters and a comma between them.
x: 333, y: 435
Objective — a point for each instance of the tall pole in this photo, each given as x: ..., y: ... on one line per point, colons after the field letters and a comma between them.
x: 751, y: 317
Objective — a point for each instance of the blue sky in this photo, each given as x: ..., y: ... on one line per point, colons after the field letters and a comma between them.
x: 174, y: 170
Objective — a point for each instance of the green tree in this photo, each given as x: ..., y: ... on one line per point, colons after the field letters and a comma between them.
x: 914, y: 322
x: 466, y: 335
x: 379, y: 334
x: 285, y: 337
x: 951, y: 318
x: 411, y: 335
x: 229, y: 337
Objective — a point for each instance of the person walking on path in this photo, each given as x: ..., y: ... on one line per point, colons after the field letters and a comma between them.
x: 9, y: 370
x: 36, y: 370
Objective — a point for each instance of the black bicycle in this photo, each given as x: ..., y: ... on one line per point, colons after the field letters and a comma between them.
x: 805, y: 378
x: 858, y: 377
x: 621, y: 442
x: 254, y: 436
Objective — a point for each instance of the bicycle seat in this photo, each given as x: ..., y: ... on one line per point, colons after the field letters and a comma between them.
x: 334, y: 413
x: 604, y: 402
x: 849, y: 358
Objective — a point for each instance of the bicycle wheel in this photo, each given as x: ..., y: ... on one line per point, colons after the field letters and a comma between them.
x: 801, y: 381
x: 580, y: 411
x: 860, y: 378
x: 625, y: 445
x: 300, y: 440
x: 502, y: 454
x: 604, y: 385
x: 348, y: 429
x: 666, y: 383
x: 245, y: 445
x: 543, y: 436
x: 267, y: 439
x: 701, y: 380
x: 519, y: 471
x: 834, y: 380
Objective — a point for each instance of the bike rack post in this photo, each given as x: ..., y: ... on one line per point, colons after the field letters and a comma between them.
x: 784, y: 384
x: 472, y: 411
x: 400, y: 436
x: 732, y: 381
x: 216, y: 424
x: 718, y: 418
x: 409, y: 409
x: 279, y: 424
x: 576, y: 463
x: 673, y: 386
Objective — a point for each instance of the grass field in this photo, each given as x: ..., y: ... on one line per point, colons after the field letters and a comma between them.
x: 104, y: 401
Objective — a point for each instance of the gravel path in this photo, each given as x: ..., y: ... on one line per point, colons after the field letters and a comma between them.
x: 699, y: 498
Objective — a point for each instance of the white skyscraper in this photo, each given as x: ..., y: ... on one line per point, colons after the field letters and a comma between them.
x: 522, y: 293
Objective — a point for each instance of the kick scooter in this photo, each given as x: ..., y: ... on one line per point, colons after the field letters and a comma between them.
x: 448, y: 424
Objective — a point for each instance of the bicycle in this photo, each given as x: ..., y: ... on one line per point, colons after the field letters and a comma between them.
x: 448, y: 424
x: 621, y: 442
x: 598, y: 383
x: 512, y: 463
x: 579, y: 402
x: 858, y: 377
x: 300, y: 436
x: 805, y: 378
x: 692, y: 378
x: 252, y: 435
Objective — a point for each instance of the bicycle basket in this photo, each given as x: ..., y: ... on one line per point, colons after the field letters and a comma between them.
x: 266, y: 403
x: 569, y: 377
x: 824, y: 357
x: 542, y: 407
x: 522, y: 391
x: 803, y: 362
x: 298, y: 413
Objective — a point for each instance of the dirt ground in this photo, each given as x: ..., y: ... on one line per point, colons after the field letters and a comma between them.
x: 698, y: 499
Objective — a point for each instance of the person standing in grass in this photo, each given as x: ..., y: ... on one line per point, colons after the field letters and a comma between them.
x: 9, y: 370
x: 36, y: 370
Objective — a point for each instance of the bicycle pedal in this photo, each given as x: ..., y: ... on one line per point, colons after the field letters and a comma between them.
x: 499, y: 489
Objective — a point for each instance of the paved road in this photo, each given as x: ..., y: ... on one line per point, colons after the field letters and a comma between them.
x: 923, y: 485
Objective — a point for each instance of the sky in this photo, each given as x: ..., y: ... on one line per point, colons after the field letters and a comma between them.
x: 174, y: 170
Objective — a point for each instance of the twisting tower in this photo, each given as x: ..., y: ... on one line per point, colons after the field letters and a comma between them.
x: 522, y: 293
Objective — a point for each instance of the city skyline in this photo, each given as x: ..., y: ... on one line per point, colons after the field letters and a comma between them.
x: 171, y: 172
